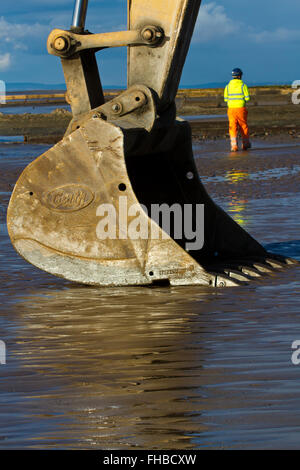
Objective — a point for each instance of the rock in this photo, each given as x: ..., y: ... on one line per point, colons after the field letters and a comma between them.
x: 61, y: 112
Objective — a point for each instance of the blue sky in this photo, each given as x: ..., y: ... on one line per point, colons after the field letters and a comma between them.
x: 260, y: 36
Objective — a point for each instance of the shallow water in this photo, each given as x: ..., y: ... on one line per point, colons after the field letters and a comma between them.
x: 33, y: 109
x: 44, y: 109
x: 200, y: 117
x: 150, y: 368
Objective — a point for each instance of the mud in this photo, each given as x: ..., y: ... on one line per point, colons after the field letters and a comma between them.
x: 270, y: 169
x: 271, y: 113
x: 37, y: 128
x: 263, y: 121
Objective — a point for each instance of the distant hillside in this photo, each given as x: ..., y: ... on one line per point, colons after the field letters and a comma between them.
x: 223, y: 84
x: 33, y: 86
x: 28, y: 86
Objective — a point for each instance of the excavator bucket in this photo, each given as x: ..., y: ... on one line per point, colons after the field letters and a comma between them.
x: 118, y: 201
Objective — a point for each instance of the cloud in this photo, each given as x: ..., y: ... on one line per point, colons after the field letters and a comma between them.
x: 23, y: 43
x: 214, y: 23
x: 20, y: 39
x: 278, y: 35
x: 5, y: 62
x: 22, y: 36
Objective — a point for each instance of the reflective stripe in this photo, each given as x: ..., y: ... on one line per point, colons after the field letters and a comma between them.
x: 246, y: 97
x: 236, y: 94
x: 226, y: 94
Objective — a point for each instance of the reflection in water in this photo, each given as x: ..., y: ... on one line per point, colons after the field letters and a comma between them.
x: 46, y: 109
x: 151, y: 368
x: 108, y: 367
x: 237, y: 206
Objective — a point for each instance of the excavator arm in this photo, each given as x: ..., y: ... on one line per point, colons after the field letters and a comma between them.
x: 118, y: 201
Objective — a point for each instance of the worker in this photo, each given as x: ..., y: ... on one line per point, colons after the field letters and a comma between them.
x: 236, y: 95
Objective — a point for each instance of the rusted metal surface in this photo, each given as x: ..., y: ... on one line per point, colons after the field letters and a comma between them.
x: 177, y: 19
x: 131, y: 151
x: 83, y: 82
x: 66, y: 43
x: 134, y: 108
x: 52, y: 217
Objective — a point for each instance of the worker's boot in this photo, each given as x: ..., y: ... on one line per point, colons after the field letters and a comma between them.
x: 246, y: 145
x: 234, y: 144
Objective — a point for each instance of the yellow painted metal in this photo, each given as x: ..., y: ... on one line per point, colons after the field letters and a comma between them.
x: 91, y: 41
x: 160, y: 68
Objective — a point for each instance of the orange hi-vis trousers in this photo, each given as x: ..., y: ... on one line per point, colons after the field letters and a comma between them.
x: 238, y: 121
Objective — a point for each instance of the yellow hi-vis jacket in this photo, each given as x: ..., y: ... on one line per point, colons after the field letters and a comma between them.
x: 236, y: 94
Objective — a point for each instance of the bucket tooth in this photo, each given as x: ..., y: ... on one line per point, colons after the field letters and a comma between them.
x: 232, y: 271
x: 275, y: 264
x: 282, y: 259
x: 264, y: 268
x: 236, y: 274
x: 247, y: 270
x: 223, y: 280
x: 250, y: 271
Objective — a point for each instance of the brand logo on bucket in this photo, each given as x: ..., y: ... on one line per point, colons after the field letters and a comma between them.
x: 296, y: 93
x: 2, y: 352
x: 136, y: 222
x: 296, y: 353
x: 68, y: 198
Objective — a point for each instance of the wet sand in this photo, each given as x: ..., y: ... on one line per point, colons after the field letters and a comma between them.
x: 271, y: 113
x: 159, y: 368
x: 269, y: 170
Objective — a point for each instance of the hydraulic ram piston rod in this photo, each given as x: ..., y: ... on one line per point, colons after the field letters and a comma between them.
x: 79, y: 14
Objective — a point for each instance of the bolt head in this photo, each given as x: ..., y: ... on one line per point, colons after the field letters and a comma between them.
x: 148, y: 34
x: 152, y: 34
x: 60, y: 43
x: 116, y: 107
